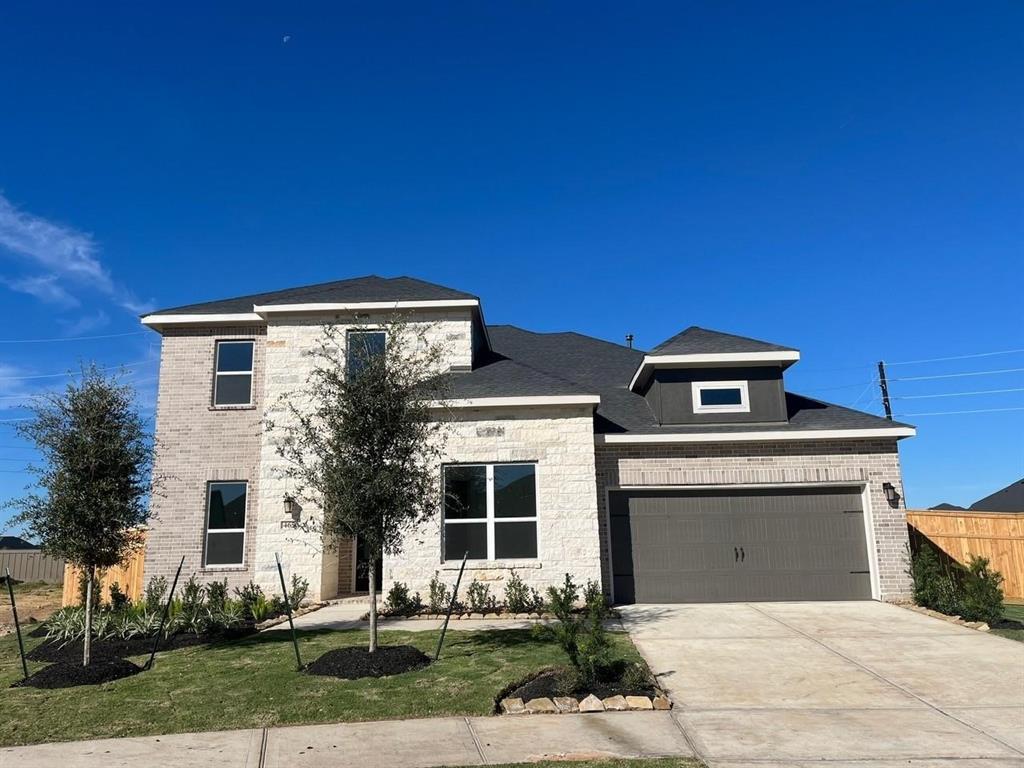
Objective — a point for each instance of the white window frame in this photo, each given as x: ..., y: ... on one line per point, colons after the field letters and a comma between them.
x: 218, y: 373
x: 207, y: 530
x: 700, y: 386
x: 490, y: 520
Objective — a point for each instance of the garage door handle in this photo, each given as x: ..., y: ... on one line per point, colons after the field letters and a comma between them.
x: 736, y: 553
x: 743, y: 555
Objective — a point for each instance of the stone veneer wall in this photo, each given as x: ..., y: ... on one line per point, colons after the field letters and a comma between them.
x: 770, y: 463
x: 197, y: 443
x: 289, y: 338
x: 561, y: 442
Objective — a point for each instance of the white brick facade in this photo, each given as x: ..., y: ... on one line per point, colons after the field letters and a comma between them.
x: 561, y: 442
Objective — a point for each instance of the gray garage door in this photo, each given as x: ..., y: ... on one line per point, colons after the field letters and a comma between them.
x: 721, y: 546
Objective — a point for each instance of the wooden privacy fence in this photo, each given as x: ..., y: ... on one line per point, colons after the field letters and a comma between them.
x: 128, y: 577
x: 999, y: 536
x: 31, y: 565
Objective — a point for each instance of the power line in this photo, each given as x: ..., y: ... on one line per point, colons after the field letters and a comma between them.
x: 72, y: 338
x: 960, y: 394
x: 954, y: 413
x: 958, y: 357
x: 69, y: 373
x: 957, y: 375
x: 29, y: 395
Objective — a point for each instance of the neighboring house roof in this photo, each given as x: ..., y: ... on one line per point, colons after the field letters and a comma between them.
x: 532, y: 364
x: 16, y: 542
x: 699, y: 341
x: 1009, y: 499
x: 945, y: 506
x: 371, y: 288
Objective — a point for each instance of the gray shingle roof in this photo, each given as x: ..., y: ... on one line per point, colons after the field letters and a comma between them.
x: 1009, y: 499
x: 525, y: 363
x: 357, y: 289
x: 699, y: 341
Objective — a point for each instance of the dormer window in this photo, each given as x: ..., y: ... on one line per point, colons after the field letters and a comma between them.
x: 720, y: 397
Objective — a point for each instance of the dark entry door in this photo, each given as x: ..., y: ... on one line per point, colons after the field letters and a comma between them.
x: 737, y: 545
x: 362, y: 572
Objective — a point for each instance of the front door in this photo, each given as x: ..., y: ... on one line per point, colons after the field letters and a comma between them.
x: 362, y: 568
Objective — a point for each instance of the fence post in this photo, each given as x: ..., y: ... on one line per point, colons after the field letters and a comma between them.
x: 288, y: 607
x: 17, y: 626
x: 163, y: 620
x: 451, y: 607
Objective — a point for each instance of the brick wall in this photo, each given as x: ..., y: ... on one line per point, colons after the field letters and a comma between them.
x: 561, y: 442
x: 870, y: 462
x: 197, y: 443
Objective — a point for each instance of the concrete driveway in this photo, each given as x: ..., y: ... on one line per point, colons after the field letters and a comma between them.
x: 859, y: 683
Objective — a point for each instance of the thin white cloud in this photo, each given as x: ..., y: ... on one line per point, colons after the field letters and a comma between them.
x: 66, y: 256
x: 46, y: 288
x: 85, y: 324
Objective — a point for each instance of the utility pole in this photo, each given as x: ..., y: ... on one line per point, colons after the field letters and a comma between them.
x: 884, y: 384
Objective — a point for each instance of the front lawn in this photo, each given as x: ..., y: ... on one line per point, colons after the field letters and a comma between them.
x: 252, y: 682
x: 1012, y: 612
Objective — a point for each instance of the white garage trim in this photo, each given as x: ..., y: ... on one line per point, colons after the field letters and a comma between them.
x: 747, y: 437
x: 865, y: 506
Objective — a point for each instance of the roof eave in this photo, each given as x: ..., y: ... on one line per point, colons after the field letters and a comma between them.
x: 897, y: 433
x: 783, y: 358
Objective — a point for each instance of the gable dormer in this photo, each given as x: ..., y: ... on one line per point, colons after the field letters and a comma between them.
x: 707, y: 377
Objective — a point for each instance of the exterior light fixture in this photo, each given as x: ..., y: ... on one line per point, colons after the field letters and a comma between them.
x: 291, y: 507
x: 891, y: 495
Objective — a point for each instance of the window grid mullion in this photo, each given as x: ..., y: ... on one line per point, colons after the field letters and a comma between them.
x: 490, y: 512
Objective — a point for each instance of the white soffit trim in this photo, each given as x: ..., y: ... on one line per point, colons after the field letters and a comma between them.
x: 505, y: 402
x: 155, y: 321
x: 356, y: 306
x: 746, y: 437
x: 717, y: 358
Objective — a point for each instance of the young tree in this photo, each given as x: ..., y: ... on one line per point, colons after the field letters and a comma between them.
x: 364, y: 437
x: 91, y: 491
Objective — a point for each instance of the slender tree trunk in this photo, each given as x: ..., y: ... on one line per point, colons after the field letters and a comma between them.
x: 372, y: 573
x: 87, y: 640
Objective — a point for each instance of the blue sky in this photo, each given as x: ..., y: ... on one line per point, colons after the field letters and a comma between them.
x: 843, y: 178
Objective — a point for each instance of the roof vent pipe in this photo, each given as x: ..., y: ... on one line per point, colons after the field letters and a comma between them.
x: 629, y: 340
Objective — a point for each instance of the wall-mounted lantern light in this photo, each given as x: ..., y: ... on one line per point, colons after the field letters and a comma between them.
x: 891, y: 494
x: 291, y: 507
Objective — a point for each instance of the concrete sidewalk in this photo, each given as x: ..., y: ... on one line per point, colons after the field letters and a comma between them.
x: 448, y: 741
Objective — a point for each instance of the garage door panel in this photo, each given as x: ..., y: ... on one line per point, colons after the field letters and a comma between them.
x: 766, y: 544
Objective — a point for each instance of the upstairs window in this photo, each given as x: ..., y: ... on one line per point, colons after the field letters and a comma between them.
x: 225, y: 525
x: 720, y: 397
x: 490, y: 511
x: 233, y: 377
x: 361, y: 347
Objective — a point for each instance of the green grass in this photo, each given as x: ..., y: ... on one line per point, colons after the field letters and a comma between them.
x: 253, y: 683
x: 1013, y: 612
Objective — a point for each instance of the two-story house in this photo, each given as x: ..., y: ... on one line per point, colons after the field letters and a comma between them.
x: 683, y: 474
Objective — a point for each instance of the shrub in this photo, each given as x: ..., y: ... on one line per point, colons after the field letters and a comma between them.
x: 298, y: 591
x: 118, y: 600
x: 400, y: 603
x: 637, y: 677
x: 155, y: 591
x: 581, y: 635
x: 594, y: 599
x: 66, y: 625
x: 982, y: 598
x: 440, y: 596
x: 260, y: 608
x: 520, y: 598
x: 567, y: 681
x: 973, y: 593
x: 480, y: 598
x: 248, y: 595
x: 216, y: 595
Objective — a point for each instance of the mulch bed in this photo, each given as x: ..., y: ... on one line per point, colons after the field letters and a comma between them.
x: 548, y: 685
x: 66, y: 675
x: 116, y: 649
x: 353, y: 663
x: 1007, y: 624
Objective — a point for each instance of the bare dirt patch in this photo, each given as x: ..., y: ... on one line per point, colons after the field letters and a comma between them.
x: 36, y: 603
